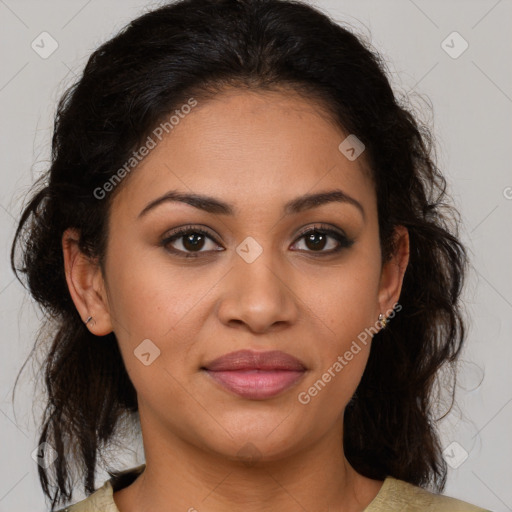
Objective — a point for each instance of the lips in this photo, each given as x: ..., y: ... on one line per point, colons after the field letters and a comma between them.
x: 249, y: 360
x: 256, y: 375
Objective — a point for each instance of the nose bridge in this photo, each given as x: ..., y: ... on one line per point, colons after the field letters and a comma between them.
x: 258, y: 271
x: 261, y: 275
x: 256, y: 292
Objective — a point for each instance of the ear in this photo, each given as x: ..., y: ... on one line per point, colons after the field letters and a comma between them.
x: 86, y: 285
x: 393, y: 271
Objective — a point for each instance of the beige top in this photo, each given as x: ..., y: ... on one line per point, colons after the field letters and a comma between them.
x: 394, y: 496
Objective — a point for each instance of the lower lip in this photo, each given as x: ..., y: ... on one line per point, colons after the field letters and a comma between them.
x: 256, y: 384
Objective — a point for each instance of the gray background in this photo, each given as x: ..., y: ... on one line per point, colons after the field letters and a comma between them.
x: 472, y: 106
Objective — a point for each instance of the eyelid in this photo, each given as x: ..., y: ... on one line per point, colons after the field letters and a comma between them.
x: 322, y: 228
x: 331, y: 231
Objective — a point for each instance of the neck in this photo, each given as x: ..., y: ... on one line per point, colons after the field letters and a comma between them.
x: 181, y: 476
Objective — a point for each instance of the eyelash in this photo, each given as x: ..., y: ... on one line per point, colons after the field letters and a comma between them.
x: 344, y: 242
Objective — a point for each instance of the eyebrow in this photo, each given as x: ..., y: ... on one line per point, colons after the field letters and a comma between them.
x: 215, y: 206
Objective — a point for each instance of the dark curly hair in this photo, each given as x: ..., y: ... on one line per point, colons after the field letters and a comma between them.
x: 130, y: 83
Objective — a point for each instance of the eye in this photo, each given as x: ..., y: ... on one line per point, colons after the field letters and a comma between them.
x: 189, y: 240
x: 316, y: 239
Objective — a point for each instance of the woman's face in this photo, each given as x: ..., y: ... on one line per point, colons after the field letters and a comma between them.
x: 253, y: 282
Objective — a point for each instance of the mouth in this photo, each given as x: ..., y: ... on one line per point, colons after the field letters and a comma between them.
x: 256, y: 375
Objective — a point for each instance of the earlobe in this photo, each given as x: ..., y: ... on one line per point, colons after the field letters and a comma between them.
x: 393, y: 272
x: 85, y: 284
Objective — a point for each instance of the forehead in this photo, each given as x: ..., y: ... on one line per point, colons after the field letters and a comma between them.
x: 248, y: 147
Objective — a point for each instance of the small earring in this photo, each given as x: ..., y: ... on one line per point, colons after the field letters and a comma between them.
x: 88, y: 320
x: 383, y: 320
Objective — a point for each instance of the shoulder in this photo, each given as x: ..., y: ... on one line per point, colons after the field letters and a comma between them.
x: 404, y: 497
x: 102, y: 499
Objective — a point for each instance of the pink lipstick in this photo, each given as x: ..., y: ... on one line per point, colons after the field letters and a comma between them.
x: 256, y: 375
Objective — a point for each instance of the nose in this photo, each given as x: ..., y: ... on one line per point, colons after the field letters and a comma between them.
x: 258, y: 296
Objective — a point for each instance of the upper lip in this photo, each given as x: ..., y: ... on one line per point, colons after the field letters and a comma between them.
x: 251, y: 360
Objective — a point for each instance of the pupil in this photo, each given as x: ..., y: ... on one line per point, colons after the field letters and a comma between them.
x: 189, y: 242
x: 315, y: 245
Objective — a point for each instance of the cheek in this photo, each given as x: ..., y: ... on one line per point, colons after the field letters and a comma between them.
x: 148, y: 303
x: 345, y: 306
x: 153, y: 298
x: 343, y: 352
x: 344, y: 300
x: 341, y: 355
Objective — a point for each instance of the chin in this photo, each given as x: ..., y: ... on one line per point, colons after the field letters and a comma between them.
x: 260, y: 441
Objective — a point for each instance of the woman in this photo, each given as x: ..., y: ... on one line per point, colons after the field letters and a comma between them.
x: 237, y: 207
